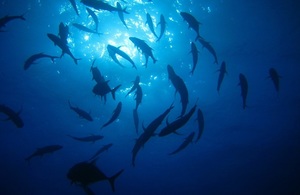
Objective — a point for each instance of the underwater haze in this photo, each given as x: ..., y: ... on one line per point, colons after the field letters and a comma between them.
x: 149, y: 97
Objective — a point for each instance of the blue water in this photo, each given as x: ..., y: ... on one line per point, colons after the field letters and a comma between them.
x: 251, y: 151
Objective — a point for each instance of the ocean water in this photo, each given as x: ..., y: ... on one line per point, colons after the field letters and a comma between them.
x: 255, y: 150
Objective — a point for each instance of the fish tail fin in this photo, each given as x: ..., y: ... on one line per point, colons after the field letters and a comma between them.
x: 113, y: 178
x: 113, y: 91
x: 154, y: 60
x: 125, y: 11
x: 76, y: 60
x: 22, y: 16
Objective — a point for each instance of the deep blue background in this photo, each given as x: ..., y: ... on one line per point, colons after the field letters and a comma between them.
x: 252, y: 151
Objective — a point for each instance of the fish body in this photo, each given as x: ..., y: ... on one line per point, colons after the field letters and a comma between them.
x: 121, y: 14
x: 208, y: 46
x: 6, y: 19
x: 144, y: 48
x: 180, y: 87
x: 200, y: 120
x: 162, y: 23
x: 186, y: 142
x: 85, y: 29
x: 31, y: 60
x: 222, y: 71
x: 135, y: 85
x: 112, y: 50
x: 150, y: 24
x: 101, y: 5
x: 115, y: 115
x: 102, y: 149
x: 275, y: 78
x: 12, y: 115
x: 136, y: 120
x: 194, y: 52
x: 73, y: 3
x: 94, y: 16
x: 81, y: 113
x: 91, y: 138
x: 63, y: 33
x: 192, y: 21
x: 44, y: 150
x: 244, y: 89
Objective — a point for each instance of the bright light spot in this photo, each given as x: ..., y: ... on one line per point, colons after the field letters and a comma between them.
x: 208, y: 9
x: 86, y: 37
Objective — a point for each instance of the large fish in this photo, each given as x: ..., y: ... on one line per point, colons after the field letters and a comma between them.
x: 209, y: 48
x: 4, y: 20
x: 102, y: 89
x: 44, y: 150
x: 31, y: 60
x: 194, y: 52
x: 192, y: 21
x: 221, y: 75
x: 94, y: 16
x: 144, y: 48
x: 200, y: 120
x: 121, y: 15
x: 62, y: 45
x: 85, y: 29
x: 12, y: 115
x: 112, y: 50
x: 115, y: 115
x: 96, y: 73
x: 81, y: 113
x: 91, y: 138
x: 162, y: 24
x: 275, y: 77
x: 150, y: 24
x: 244, y: 89
x: 101, y: 5
x: 186, y: 142
x: 73, y: 3
x: 177, y: 124
x: 180, y: 87
x: 85, y: 173
x: 148, y: 133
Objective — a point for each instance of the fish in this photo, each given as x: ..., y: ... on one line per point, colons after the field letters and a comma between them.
x: 102, y: 89
x: 144, y: 48
x: 112, y: 50
x: 91, y: 138
x: 209, y: 48
x: 94, y: 16
x: 63, y: 33
x: 115, y: 115
x: 275, y: 77
x: 31, y: 60
x: 192, y: 21
x: 4, y: 20
x: 62, y: 45
x: 44, y: 150
x: 86, y: 173
x: 194, y: 53
x: 148, y: 133
x: 121, y: 15
x: 136, y: 120
x: 136, y: 82
x: 244, y: 88
x: 73, y: 3
x: 177, y: 124
x: 81, y: 113
x: 12, y: 115
x: 138, y: 96
x: 200, y: 120
x: 101, y: 5
x: 186, y: 142
x: 180, y: 87
x: 221, y: 75
x: 102, y: 149
x: 96, y: 73
x: 162, y: 23
x: 150, y: 24
x: 85, y: 29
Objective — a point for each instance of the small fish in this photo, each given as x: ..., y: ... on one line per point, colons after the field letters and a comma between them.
x: 80, y: 112
x: 74, y: 6
x: 138, y: 96
x: 194, y: 53
x: 12, y: 115
x: 136, y: 120
x: 115, y: 115
x: 96, y: 73
x: 44, y: 150
x: 208, y: 46
x: 85, y: 29
x: 121, y: 15
x: 92, y: 138
x: 135, y: 85
x: 275, y: 77
x: 200, y: 120
x: 112, y: 51
x: 102, y: 5
x: 94, y: 16
x: 102, y: 149
x: 244, y: 89
x: 4, y: 20
x: 186, y: 142
x: 150, y: 24
x: 221, y: 75
x: 31, y: 60
x: 192, y: 21
x: 162, y: 24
